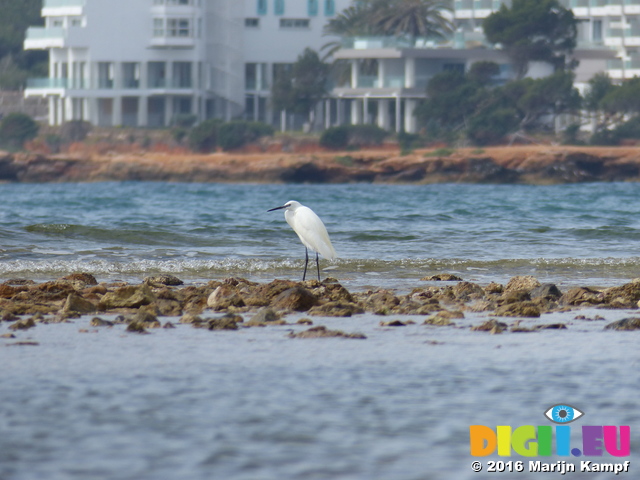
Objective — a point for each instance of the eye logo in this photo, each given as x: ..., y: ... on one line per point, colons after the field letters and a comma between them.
x: 563, y: 413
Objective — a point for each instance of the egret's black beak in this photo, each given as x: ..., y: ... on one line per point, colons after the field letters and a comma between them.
x: 277, y: 208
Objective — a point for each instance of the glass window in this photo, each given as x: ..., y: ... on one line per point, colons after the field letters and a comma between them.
x: 105, y: 75
x: 312, y: 7
x: 279, y: 7
x: 262, y: 7
x: 329, y: 8
x: 252, y: 22
x: 294, y: 23
x: 158, y: 27
x: 597, y: 30
x: 178, y: 27
x: 182, y: 74
x: 130, y: 75
x: 250, y: 76
x: 157, y: 74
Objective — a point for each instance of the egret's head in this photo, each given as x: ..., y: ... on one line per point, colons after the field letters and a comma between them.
x: 290, y: 205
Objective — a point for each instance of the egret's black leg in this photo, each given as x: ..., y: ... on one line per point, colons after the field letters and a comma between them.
x: 306, y: 260
x: 318, y: 266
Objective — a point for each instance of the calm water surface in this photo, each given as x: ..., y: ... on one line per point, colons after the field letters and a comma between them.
x: 90, y: 403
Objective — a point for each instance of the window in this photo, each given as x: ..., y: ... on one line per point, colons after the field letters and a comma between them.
x: 130, y: 75
x: 252, y: 22
x: 329, y: 8
x: 158, y: 27
x: 312, y: 7
x: 262, y: 7
x: 57, y: 22
x: 76, y: 21
x: 294, y: 23
x: 597, y: 31
x: 178, y: 2
x: 178, y: 27
x: 182, y: 74
x: 279, y: 7
x: 454, y: 67
x: 105, y: 75
x: 157, y: 74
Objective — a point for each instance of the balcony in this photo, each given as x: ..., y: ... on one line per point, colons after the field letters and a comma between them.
x: 43, y: 38
x: 63, y: 8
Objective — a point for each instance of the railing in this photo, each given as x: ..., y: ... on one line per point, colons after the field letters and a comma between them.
x: 47, y: 83
x: 368, y: 81
x: 63, y: 3
x: 37, y: 33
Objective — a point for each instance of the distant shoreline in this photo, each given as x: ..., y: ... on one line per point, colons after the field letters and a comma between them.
x: 534, y: 165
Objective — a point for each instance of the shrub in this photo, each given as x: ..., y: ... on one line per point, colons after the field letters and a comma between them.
x: 238, y: 133
x: 345, y: 136
x: 17, y: 128
x: 336, y: 138
x: 204, y: 137
x: 364, y: 135
x: 75, y: 131
x: 184, y: 120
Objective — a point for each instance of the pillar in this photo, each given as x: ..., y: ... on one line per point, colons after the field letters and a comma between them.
x: 409, y: 72
x: 383, y: 113
x: 356, y: 118
x: 409, y: 117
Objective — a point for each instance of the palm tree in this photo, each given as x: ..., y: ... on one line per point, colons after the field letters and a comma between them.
x: 415, y: 18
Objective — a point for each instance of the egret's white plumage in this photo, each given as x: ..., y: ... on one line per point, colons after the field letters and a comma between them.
x: 310, y: 230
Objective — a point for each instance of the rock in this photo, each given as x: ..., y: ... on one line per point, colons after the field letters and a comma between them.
x: 494, y: 287
x: 9, y: 316
x: 98, y: 322
x: 263, y: 295
x: 304, y: 321
x: 513, y: 296
x: 226, y: 322
x: 80, y: 280
x: 626, y: 324
x: 224, y: 297
x: 335, y: 309
x: 76, y: 304
x: 518, y: 309
x: 493, y: 326
x: 547, y: 291
x: 146, y: 318
x: 162, y: 280
x: 136, y: 327
x: 189, y: 318
x: 522, y: 282
x: 265, y: 315
x: 322, y: 332
x: 23, y: 324
x: 582, y: 296
x: 625, y: 296
x: 441, y: 277
x: 443, y: 318
x: 7, y: 335
x: 168, y: 325
x: 298, y: 299
x: 551, y: 326
x: 127, y: 297
x: 394, y: 323
x: 8, y: 291
x: 168, y: 308
x: 19, y: 281
x: 467, y: 291
x: 381, y: 303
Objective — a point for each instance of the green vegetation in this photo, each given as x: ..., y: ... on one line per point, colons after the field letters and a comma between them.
x: 16, y: 129
x: 352, y: 136
x: 212, y: 133
x: 17, y: 64
x: 533, y: 30
x: 441, y: 152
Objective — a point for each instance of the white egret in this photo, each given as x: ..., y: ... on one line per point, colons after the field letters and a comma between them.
x: 311, y: 231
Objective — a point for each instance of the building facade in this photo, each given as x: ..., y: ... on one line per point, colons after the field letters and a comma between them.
x: 146, y: 62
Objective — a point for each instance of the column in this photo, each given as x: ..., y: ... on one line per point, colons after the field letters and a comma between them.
x: 339, y: 111
x: 381, y: 73
x: 117, y: 112
x: 409, y: 117
x: 398, y: 113
x: 256, y: 107
x: 356, y: 118
x: 53, y: 117
x: 354, y: 73
x: 383, y: 113
x: 327, y: 113
x: 409, y: 72
x: 143, y: 111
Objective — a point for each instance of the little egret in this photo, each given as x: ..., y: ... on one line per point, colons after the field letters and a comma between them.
x: 311, y: 231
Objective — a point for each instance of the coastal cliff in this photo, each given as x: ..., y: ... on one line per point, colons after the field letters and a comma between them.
x: 521, y: 164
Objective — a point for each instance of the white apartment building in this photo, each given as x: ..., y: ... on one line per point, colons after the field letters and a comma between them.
x: 603, y: 23
x: 143, y: 62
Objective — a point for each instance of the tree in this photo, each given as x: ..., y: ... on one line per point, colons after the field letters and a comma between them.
x: 414, y: 18
x: 300, y: 90
x: 16, y: 129
x: 17, y: 64
x: 533, y: 30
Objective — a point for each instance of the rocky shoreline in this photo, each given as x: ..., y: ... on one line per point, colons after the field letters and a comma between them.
x: 522, y: 164
x: 235, y: 303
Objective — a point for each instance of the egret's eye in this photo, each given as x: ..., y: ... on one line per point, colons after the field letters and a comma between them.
x: 563, y: 413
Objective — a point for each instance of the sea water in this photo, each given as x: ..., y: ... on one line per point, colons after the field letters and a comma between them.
x: 78, y: 402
